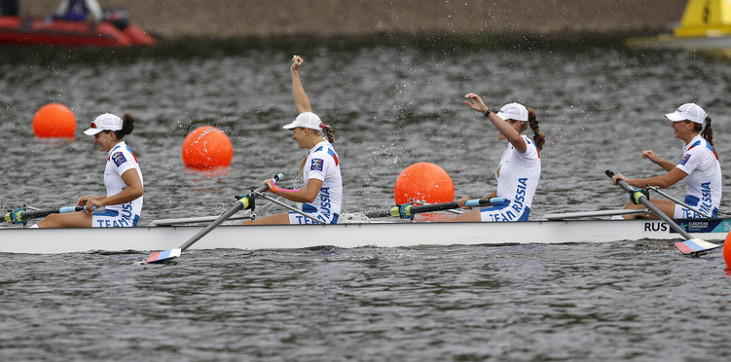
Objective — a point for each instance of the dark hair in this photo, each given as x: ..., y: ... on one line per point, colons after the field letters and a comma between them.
x: 538, y: 137
x: 128, y: 124
x: 707, y: 131
x: 328, y: 131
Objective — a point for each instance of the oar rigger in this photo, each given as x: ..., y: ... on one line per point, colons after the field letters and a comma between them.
x: 243, y: 203
x: 691, y: 246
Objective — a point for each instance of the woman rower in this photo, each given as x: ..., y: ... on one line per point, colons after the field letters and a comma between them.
x: 323, y: 193
x: 122, y: 178
x: 699, y: 167
x: 520, y: 165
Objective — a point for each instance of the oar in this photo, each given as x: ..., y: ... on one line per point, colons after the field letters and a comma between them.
x: 407, y: 211
x: 245, y: 202
x: 692, y: 246
x: 20, y: 216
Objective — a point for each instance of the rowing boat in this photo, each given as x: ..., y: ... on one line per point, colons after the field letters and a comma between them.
x: 350, y: 235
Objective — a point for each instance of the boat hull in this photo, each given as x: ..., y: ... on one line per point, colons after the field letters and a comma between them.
x: 25, y: 31
x: 49, y: 241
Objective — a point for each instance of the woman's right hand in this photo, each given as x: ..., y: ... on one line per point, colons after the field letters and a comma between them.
x: 476, y: 103
x: 269, y: 182
x: 462, y: 200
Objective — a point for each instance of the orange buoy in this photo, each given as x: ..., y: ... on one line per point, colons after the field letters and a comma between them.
x: 727, y: 250
x: 54, y: 120
x: 423, y: 181
x: 207, y: 147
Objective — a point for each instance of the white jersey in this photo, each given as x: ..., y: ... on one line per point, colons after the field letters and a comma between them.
x: 517, y: 180
x: 120, y: 160
x: 703, y: 183
x: 322, y: 163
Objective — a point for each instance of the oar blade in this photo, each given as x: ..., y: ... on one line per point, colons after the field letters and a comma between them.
x: 160, y: 256
x: 695, y: 246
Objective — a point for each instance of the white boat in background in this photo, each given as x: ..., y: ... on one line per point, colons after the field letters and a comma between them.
x: 350, y: 235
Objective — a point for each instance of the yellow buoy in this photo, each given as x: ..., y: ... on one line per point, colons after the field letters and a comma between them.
x: 705, y: 18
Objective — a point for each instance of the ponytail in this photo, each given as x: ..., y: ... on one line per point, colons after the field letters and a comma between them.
x: 539, y: 137
x: 328, y: 132
x: 128, y: 124
x: 707, y: 131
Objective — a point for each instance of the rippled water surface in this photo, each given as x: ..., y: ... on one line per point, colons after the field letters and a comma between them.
x: 390, y: 105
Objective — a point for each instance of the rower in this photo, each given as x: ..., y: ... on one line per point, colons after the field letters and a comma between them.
x: 520, y: 165
x: 323, y: 193
x: 699, y: 167
x: 122, y: 178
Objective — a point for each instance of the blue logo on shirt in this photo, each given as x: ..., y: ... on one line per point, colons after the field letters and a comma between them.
x: 317, y: 164
x: 118, y: 158
x: 685, y: 159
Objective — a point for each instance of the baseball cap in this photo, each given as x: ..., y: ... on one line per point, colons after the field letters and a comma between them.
x: 515, y: 111
x: 689, y: 111
x: 306, y: 120
x: 105, y: 122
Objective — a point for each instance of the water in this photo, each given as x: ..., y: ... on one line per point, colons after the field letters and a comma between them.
x: 390, y: 105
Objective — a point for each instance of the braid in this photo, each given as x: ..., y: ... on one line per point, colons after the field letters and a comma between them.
x: 539, y: 137
x: 328, y: 131
x: 708, y: 132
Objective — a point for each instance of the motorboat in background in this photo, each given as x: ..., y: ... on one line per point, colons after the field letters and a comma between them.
x: 115, y: 30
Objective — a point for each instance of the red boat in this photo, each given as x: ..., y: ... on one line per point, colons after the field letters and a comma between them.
x: 28, y: 31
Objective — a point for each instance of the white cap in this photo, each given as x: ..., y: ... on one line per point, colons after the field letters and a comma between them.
x: 514, y: 111
x: 306, y: 120
x: 105, y: 122
x: 690, y: 112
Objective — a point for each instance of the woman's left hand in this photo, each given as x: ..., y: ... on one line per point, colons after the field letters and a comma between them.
x: 92, y: 204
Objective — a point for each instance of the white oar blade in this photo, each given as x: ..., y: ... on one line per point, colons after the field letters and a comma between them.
x: 694, y: 246
x: 159, y: 256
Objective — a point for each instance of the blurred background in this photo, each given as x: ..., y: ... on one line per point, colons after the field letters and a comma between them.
x: 357, y: 18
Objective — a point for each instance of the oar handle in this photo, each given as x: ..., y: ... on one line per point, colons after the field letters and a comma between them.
x: 434, y: 207
x: 19, y: 216
x: 636, y: 194
x: 264, y: 187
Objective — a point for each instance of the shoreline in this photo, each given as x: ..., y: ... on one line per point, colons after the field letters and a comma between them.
x: 335, y: 19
